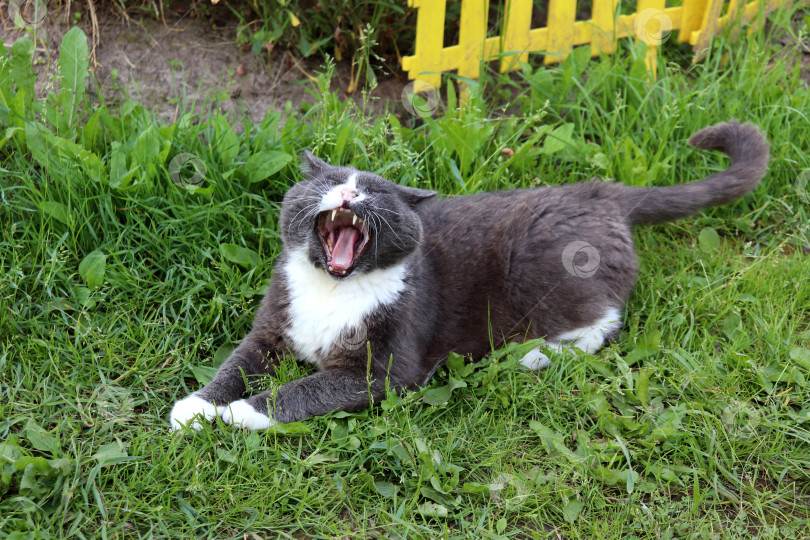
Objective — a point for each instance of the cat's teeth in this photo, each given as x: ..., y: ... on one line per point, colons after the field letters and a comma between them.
x: 334, y: 213
x: 354, y: 219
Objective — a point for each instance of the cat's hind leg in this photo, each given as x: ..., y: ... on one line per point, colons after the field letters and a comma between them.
x: 251, y: 358
x: 535, y: 359
x: 588, y: 339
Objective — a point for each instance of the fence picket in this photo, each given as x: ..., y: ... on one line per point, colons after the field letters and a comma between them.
x: 603, y: 27
x: 561, y: 17
x: 692, y: 19
x: 472, y: 35
x: 516, y: 26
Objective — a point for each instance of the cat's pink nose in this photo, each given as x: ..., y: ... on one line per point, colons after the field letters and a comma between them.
x: 347, y: 193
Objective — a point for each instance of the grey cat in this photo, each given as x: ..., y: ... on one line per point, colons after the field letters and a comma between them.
x: 380, y: 281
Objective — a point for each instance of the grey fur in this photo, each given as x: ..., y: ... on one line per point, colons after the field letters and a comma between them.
x: 479, y: 265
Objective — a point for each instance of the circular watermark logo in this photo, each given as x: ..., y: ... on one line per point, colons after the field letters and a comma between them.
x: 580, y: 259
x: 652, y: 26
x: 187, y: 170
x: 27, y: 13
x: 353, y: 338
x: 114, y: 403
x: 741, y: 420
x: 420, y: 98
x: 802, y: 185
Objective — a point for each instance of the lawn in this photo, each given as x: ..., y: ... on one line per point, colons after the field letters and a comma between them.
x: 134, y: 252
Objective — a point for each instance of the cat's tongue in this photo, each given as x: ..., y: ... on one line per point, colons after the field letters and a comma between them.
x: 343, y: 252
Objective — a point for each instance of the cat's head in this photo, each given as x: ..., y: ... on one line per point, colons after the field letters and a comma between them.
x: 349, y: 221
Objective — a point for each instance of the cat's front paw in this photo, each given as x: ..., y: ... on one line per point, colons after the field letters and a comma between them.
x: 241, y: 413
x: 190, y: 410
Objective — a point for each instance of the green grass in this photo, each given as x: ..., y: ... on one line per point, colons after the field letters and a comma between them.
x: 694, y: 424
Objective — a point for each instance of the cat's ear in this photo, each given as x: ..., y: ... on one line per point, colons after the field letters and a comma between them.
x: 312, y: 166
x: 414, y: 196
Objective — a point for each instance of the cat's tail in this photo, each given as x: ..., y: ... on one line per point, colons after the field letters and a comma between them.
x: 749, y: 152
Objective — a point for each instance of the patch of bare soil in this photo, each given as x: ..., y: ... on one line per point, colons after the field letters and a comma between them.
x: 188, y: 65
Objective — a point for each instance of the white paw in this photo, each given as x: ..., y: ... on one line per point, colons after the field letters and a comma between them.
x: 189, y: 410
x: 534, y: 359
x: 241, y: 413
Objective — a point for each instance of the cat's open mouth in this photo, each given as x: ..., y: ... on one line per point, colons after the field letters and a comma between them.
x: 344, y: 236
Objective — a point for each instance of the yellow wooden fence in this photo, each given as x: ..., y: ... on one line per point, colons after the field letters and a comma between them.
x: 695, y: 20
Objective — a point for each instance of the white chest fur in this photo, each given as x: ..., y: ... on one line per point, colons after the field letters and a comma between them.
x: 323, y: 308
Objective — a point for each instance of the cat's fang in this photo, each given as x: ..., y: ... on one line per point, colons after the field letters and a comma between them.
x: 354, y: 219
x: 334, y: 213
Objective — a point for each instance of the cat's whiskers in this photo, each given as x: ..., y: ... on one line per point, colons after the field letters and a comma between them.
x: 413, y: 238
x: 377, y: 230
x: 311, y: 213
x: 319, y: 188
x: 380, y: 216
x: 309, y: 189
x: 374, y: 226
x: 305, y: 208
x: 311, y: 209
